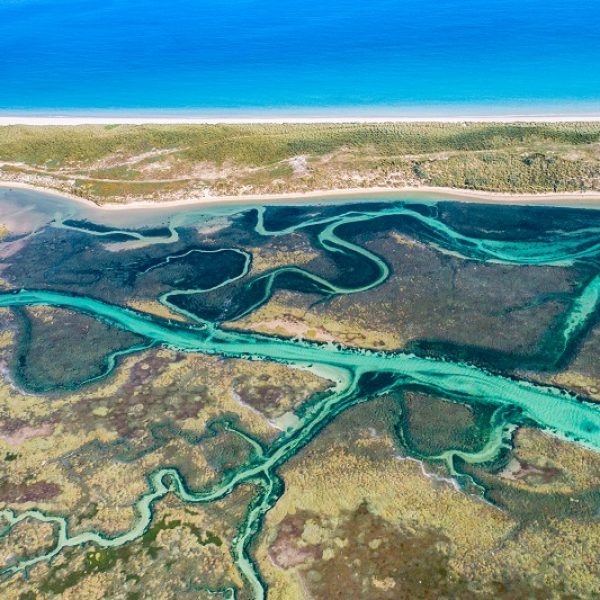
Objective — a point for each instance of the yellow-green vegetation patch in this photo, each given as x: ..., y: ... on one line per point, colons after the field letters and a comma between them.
x: 279, y: 317
x: 547, y: 464
x: 187, y: 547
x: 382, y: 501
x: 109, y: 164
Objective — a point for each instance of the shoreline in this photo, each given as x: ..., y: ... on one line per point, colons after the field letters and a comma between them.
x: 585, y: 199
x: 67, y: 120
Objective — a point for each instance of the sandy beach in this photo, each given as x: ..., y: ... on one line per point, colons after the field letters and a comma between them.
x: 7, y: 120
x: 567, y: 199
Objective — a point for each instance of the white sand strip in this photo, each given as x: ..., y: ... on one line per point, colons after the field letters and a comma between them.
x: 6, y: 120
x: 570, y: 199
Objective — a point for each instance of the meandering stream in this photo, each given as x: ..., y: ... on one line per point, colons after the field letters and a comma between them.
x: 356, y: 375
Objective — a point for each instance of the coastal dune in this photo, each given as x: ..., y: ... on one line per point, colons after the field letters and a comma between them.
x: 122, y: 161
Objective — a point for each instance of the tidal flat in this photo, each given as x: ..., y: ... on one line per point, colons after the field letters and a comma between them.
x: 263, y: 401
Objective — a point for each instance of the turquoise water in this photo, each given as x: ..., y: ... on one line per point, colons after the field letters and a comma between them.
x: 548, y: 407
x: 245, y: 57
x: 356, y: 375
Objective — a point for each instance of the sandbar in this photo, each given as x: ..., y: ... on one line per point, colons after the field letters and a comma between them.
x: 586, y: 199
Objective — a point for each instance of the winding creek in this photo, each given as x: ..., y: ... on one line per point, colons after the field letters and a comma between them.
x: 356, y: 375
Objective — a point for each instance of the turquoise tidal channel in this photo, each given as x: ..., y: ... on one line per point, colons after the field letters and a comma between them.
x: 356, y: 375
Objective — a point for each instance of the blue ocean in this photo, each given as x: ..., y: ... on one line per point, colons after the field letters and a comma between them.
x: 245, y: 57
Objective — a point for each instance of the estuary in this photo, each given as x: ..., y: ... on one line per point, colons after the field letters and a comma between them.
x: 209, y: 288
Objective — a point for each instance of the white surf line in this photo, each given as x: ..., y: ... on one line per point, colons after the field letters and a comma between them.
x: 6, y: 120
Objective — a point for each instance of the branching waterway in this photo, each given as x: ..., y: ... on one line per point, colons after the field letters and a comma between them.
x: 356, y: 375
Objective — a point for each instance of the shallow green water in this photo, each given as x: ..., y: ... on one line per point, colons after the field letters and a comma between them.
x: 357, y: 375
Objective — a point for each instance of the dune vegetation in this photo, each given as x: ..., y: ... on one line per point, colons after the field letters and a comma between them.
x: 117, y: 163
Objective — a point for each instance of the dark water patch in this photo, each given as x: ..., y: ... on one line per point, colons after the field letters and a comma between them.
x: 194, y: 268
x: 338, y: 270
x: 430, y: 425
x: 483, y: 312
x: 87, y: 347
x: 90, y: 226
x: 545, y: 359
x: 236, y: 301
x: 551, y: 352
x: 283, y: 217
x: 514, y: 222
x: 353, y: 270
x: 79, y: 263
